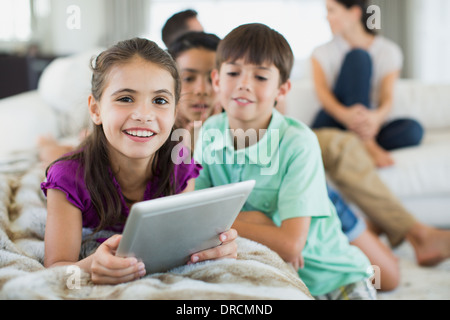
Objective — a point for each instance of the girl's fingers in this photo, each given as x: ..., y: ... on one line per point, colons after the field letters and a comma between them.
x: 112, y: 243
x: 116, y: 271
x: 107, y: 268
x: 228, y: 236
x: 225, y: 250
x: 102, y: 274
x: 105, y: 279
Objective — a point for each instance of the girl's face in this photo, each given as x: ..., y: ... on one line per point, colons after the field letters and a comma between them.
x: 136, y: 109
x: 197, y: 94
x: 340, y: 18
x: 248, y: 92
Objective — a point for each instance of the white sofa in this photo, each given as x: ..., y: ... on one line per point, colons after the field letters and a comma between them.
x: 420, y: 178
x: 421, y: 175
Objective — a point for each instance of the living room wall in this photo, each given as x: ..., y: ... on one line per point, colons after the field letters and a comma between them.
x: 419, y: 26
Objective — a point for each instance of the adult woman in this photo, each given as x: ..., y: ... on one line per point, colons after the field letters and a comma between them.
x: 354, y: 76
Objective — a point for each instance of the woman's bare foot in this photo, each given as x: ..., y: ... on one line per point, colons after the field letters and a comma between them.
x: 381, y: 157
x: 432, y: 246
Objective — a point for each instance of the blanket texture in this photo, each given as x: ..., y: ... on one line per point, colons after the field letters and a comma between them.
x: 257, y: 273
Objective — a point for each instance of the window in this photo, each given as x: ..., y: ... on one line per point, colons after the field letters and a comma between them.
x: 431, y: 46
x: 302, y: 22
x: 15, y: 20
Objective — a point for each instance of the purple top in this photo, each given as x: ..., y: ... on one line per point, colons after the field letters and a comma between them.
x: 68, y: 176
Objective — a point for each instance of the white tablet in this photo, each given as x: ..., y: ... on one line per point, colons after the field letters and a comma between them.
x: 165, y: 232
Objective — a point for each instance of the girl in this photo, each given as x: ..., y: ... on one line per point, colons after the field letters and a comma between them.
x: 126, y: 159
x: 354, y: 77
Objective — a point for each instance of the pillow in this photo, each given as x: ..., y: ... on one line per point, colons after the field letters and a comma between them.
x: 24, y: 117
x: 65, y: 85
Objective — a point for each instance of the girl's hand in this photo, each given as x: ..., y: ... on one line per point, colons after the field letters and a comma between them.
x: 228, y: 249
x: 106, y: 268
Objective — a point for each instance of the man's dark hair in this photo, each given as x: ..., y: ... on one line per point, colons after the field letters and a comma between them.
x: 191, y: 40
x: 177, y: 25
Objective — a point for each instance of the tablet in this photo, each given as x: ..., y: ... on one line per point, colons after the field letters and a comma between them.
x: 165, y: 232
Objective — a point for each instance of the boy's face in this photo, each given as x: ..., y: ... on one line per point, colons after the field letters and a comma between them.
x: 248, y: 92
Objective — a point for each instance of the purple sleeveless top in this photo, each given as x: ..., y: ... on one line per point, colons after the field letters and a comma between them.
x: 68, y: 176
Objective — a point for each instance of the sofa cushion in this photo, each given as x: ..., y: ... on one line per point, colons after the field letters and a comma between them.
x: 421, y: 171
x: 302, y: 102
x: 421, y: 175
x: 428, y: 103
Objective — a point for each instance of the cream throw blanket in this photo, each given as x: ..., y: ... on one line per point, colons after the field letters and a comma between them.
x: 258, y: 273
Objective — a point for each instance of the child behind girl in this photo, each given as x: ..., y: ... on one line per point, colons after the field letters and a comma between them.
x: 126, y: 159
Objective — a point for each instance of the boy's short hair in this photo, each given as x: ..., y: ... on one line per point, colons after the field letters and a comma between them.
x: 191, y: 40
x: 257, y: 44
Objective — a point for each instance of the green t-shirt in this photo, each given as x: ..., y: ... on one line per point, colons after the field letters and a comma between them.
x: 290, y: 182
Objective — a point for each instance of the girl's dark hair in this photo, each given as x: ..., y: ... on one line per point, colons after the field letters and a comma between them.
x: 257, y: 44
x: 191, y: 40
x: 363, y: 5
x: 93, y: 152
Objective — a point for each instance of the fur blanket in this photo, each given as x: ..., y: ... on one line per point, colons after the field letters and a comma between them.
x: 258, y: 273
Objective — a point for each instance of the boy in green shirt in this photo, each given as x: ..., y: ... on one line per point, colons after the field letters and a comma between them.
x: 289, y: 210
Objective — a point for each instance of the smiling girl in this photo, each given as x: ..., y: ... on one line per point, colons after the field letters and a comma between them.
x: 126, y: 159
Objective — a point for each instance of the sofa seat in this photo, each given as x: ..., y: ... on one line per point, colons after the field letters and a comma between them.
x: 420, y: 177
x: 421, y: 171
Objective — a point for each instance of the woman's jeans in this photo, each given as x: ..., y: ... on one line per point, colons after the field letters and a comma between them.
x: 354, y: 86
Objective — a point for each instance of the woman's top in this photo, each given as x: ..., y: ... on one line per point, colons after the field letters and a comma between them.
x: 386, y: 57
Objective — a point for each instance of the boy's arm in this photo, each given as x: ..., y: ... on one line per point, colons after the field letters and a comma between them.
x: 288, y: 240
